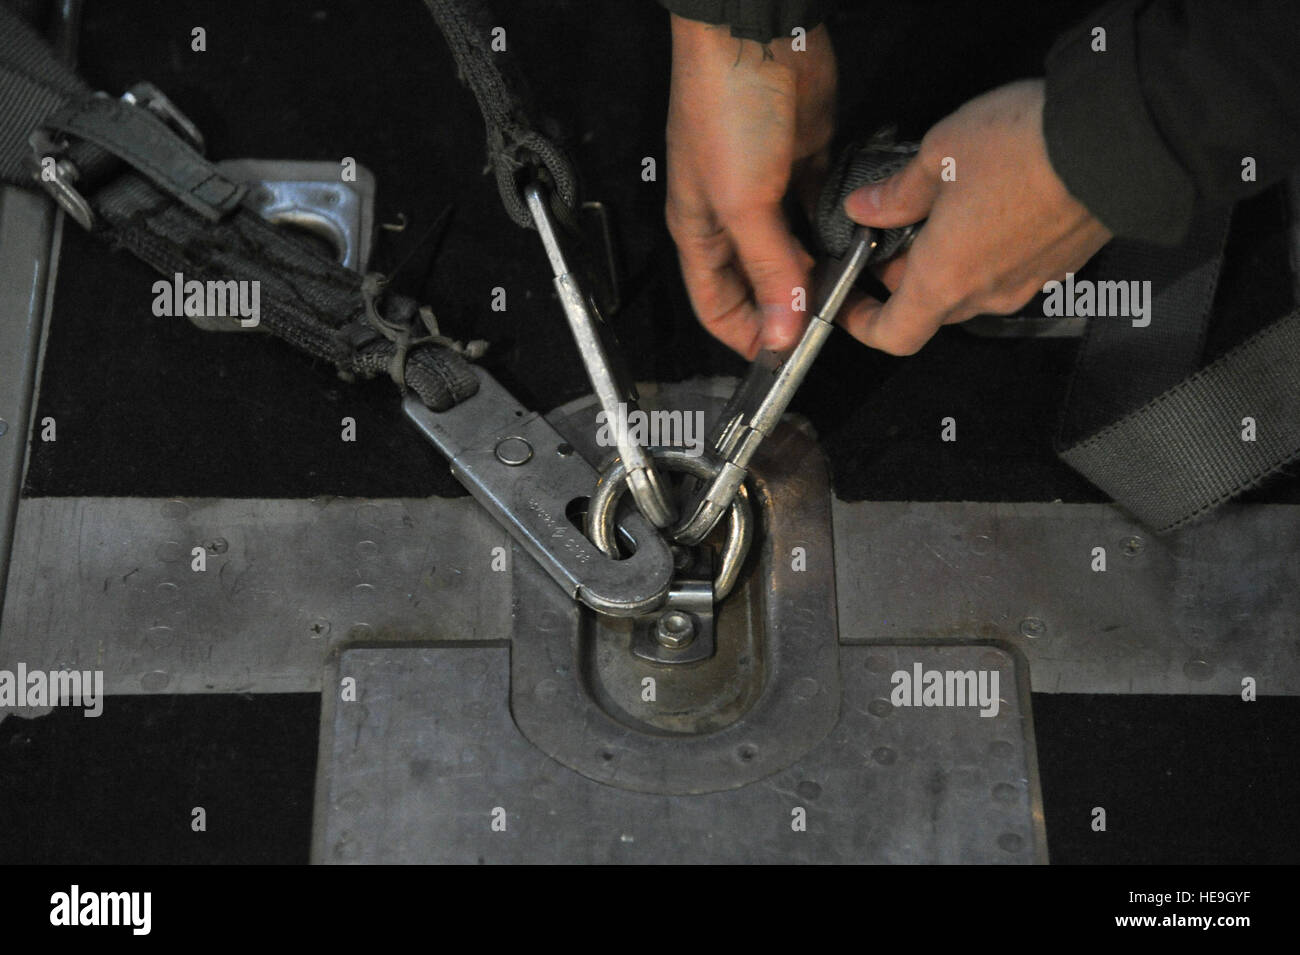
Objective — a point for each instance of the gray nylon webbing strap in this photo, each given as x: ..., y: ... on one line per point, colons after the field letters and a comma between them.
x: 1162, y: 439
x: 513, y: 142
x: 860, y: 165
x: 1182, y: 454
x: 1120, y: 365
x: 33, y: 84
x: 141, y: 139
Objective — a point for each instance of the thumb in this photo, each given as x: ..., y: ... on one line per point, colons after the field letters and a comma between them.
x: 902, y: 199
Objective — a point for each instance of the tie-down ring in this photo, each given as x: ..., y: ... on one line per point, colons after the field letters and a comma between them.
x: 613, y: 484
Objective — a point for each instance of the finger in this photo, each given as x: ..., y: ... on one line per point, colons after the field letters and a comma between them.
x: 901, y: 325
x: 857, y: 307
x: 719, y: 293
x: 858, y: 315
x: 720, y: 297
x: 902, y: 199
x: 807, y: 178
x: 892, y: 272
x: 776, y: 267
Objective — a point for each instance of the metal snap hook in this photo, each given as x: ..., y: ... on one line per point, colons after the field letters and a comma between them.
x: 613, y: 484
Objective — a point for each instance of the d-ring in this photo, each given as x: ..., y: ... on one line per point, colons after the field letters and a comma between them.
x: 613, y: 484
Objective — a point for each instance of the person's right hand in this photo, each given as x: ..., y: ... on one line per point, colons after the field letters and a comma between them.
x: 994, y: 234
x: 741, y: 122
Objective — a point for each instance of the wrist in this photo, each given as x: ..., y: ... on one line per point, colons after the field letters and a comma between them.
x: 696, y: 40
x: 765, y: 22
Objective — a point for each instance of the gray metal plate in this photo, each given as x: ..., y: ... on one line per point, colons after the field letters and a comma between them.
x: 107, y: 583
x: 90, y: 586
x: 413, y: 769
x: 1194, y: 612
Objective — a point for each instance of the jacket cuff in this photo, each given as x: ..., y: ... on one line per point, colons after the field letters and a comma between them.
x: 1101, y: 138
x: 761, y: 20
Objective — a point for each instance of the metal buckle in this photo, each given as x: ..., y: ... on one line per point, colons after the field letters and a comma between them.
x: 60, y: 179
x: 65, y: 174
x: 530, y: 479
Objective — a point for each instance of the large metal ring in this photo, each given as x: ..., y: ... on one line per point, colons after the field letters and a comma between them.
x: 602, y: 507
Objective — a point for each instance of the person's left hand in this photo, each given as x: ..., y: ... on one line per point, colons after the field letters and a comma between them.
x: 744, y: 122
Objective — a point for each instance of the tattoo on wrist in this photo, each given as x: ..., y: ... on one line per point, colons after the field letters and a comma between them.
x: 765, y: 48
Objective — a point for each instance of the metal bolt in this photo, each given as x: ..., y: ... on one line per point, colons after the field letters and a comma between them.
x: 675, y: 630
x: 1032, y: 627
x: 1133, y: 546
x: 514, y: 451
x: 218, y: 546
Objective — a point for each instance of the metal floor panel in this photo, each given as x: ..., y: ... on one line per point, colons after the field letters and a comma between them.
x: 27, y: 244
x: 106, y: 583
x: 417, y: 767
x: 1195, y: 612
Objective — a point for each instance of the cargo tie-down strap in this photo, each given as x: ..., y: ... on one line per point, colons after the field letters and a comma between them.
x: 142, y: 184
x: 1165, y: 440
x: 517, y: 150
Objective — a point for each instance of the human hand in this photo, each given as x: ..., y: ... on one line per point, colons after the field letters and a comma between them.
x: 742, y: 122
x: 994, y: 235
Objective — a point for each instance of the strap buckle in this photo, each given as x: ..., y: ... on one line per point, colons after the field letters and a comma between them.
x: 60, y: 177
x: 63, y: 178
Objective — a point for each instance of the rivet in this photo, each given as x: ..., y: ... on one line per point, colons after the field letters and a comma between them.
x: 1010, y: 842
x: 884, y: 756
x: 1198, y: 670
x: 514, y: 451
x: 1033, y: 628
x: 155, y: 681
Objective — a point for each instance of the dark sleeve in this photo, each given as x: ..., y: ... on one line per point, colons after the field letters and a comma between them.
x: 1163, y: 119
x: 760, y: 20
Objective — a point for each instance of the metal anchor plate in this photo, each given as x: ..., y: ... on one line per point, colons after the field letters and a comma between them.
x: 428, y: 766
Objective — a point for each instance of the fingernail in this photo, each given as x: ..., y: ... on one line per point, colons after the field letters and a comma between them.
x: 862, y: 202
x: 780, y: 328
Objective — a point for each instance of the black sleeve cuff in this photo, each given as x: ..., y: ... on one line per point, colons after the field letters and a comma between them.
x: 1101, y: 138
x: 761, y: 20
